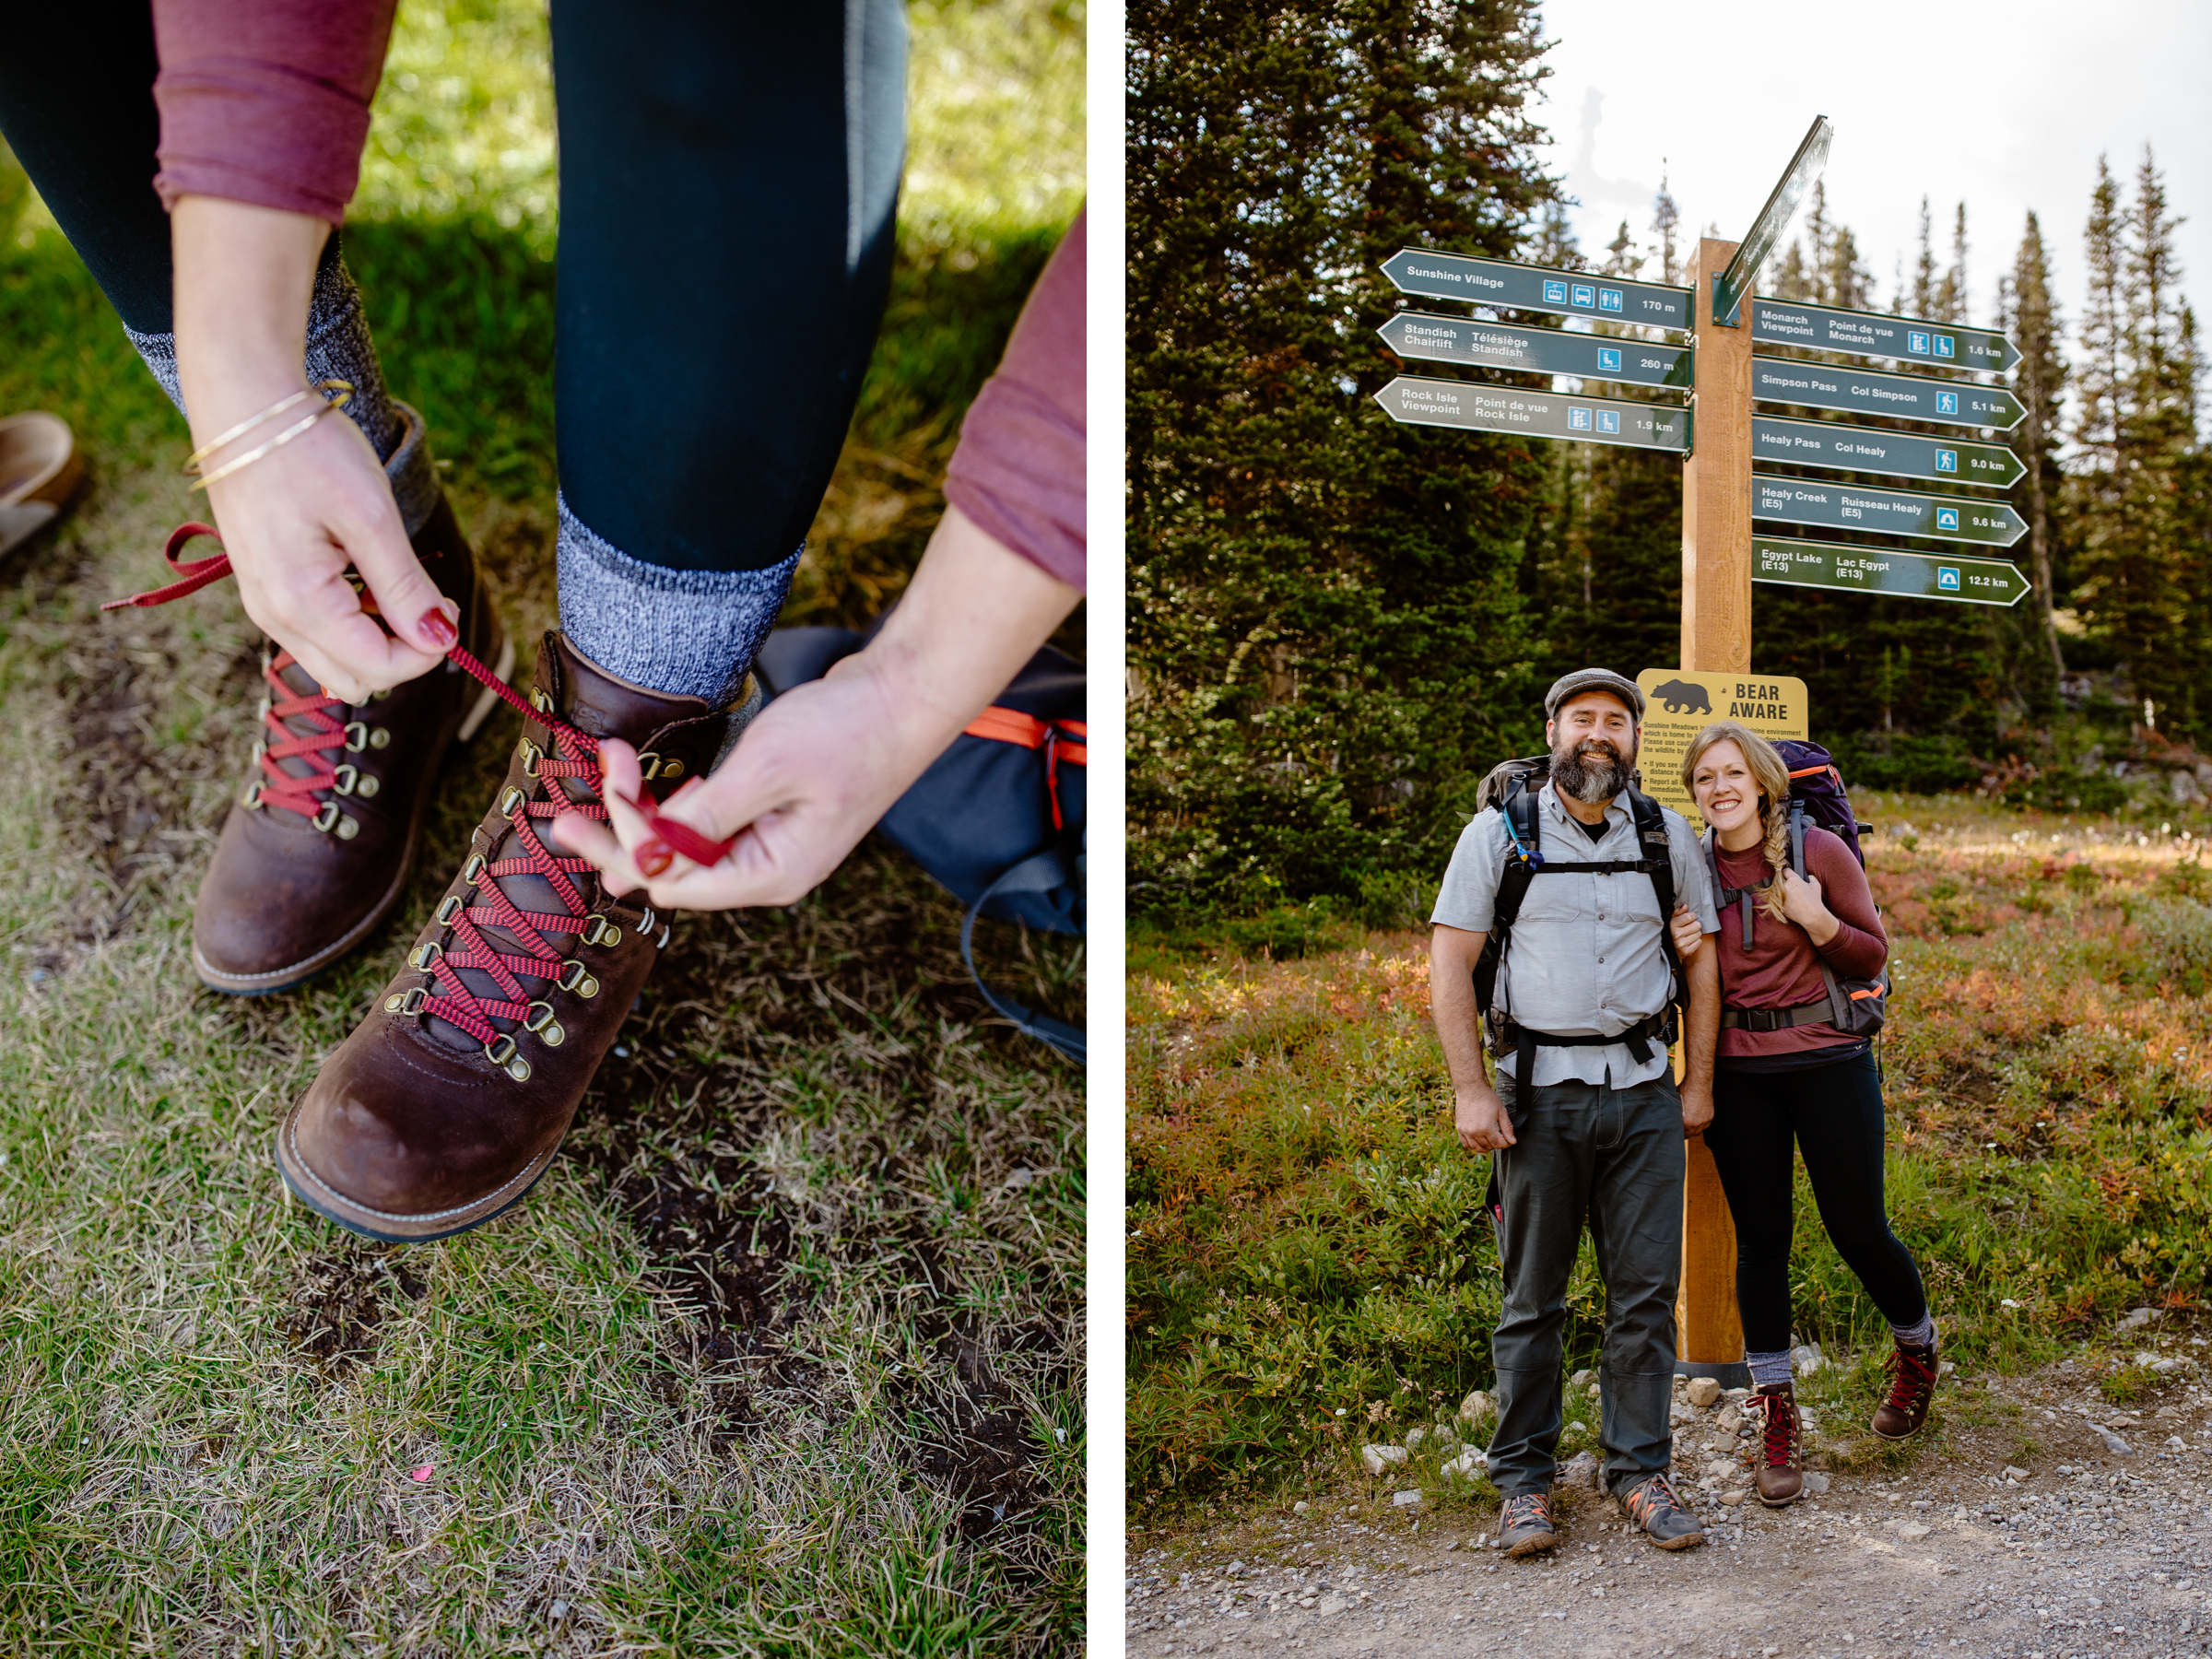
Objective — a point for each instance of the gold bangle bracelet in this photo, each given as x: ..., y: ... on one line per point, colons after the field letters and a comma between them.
x: 343, y: 389
x: 278, y: 442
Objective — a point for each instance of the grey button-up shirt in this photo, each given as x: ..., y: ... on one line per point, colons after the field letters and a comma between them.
x: 1585, y: 958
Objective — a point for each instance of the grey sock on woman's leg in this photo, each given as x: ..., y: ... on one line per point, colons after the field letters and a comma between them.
x: 686, y: 633
x: 1767, y: 1370
x: 338, y: 348
x: 1919, y: 1335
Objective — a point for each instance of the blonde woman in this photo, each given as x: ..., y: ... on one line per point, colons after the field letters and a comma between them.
x: 1783, y: 1074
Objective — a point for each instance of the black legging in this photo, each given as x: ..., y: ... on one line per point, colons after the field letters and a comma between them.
x: 1835, y: 1113
x: 728, y: 191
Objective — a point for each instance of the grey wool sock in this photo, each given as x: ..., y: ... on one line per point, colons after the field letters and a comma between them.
x: 687, y: 633
x: 1766, y: 1370
x: 339, y: 347
x: 1919, y: 1335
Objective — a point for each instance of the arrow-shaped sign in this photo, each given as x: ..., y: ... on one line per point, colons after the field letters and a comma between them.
x: 1906, y: 396
x: 1889, y: 571
x: 1890, y: 512
x: 1485, y: 408
x: 1534, y: 288
x: 1539, y: 351
x: 1840, y: 448
x: 1870, y: 333
x: 1729, y: 286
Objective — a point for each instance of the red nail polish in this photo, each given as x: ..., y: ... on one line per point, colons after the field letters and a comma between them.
x: 440, y: 627
x: 652, y: 857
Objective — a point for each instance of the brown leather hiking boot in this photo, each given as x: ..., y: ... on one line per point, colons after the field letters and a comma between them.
x: 1911, y: 1385
x: 316, y: 850
x: 1781, y: 1478
x: 447, y: 1103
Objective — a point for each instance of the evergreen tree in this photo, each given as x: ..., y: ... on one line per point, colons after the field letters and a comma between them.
x: 1950, y: 293
x: 1665, y: 216
x: 1326, y: 631
x: 1844, y: 280
x: 1923, y: 268
x: 2039, y: 382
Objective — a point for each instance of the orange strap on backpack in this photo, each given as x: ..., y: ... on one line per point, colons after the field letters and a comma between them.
x: 1060, y: 739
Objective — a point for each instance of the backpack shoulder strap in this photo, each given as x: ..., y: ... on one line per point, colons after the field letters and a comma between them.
x: 1658, y: 860
x: 1797, y: 836
x: 1040, y: 873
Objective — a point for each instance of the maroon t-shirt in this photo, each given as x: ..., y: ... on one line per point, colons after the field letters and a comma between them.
x: 1782, y: 969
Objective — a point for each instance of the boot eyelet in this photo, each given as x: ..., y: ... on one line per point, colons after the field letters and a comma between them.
x: 349, y: 828
x: 357, y: 736
x: 512, y: 802
x: 473, y: 871
x: 672, y: 768
x: 540, y: 1023
x: 649, y: 765
x: 380, y: 738
x: 330, y: 818
x: 528, y: 753
x: 368, y: 786
x: 409, y: 1001
x: 499, y: 1049
x: 425, y: 954
x: 251, y: 800
x: 540, y: 702
x: 577, y: 980
x: 344, y: 779
x: 260, y: 749
x: 450, y: 911
x: 519, y: 1069
x: 598, y: 930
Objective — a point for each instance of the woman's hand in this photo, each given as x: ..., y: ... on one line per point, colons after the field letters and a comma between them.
x: 1801, y: 902
x: 1689, y: 938
x: 294, y: 520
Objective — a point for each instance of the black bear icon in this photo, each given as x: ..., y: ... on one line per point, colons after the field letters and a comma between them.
x: 1680, y: 695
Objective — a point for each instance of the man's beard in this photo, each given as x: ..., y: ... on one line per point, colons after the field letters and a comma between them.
x: 1591, y: 772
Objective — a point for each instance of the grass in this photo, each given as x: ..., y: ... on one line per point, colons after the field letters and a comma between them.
x: 1309, y: 1268
x: 784, y: 1355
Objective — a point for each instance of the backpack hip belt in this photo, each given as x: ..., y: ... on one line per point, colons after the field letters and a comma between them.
x: 1506, y: 1033
x: 1777, y: 1019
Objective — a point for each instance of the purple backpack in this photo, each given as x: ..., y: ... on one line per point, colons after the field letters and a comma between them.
x: 1817, y: 793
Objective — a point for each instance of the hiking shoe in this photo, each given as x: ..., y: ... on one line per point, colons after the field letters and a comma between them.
x: 447, y: 1102
x: 1650, y: 1506
x: 1911, y: 1386
x: 1781, y: 1479
x: 1524, y: 1525
x: 315, y: 854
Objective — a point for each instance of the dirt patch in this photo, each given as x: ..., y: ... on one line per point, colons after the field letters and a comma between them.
x: 974, y: 1442
x: 343, y: 1298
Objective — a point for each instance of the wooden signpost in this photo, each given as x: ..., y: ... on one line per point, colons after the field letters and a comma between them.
x: 1718, y: 435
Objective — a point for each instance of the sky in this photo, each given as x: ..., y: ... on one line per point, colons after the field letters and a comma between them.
x: 2004, y: 107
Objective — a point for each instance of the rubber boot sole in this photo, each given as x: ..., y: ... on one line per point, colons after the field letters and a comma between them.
x: 277, y: 981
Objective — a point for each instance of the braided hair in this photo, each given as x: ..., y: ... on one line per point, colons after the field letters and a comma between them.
x: 1772, y: 777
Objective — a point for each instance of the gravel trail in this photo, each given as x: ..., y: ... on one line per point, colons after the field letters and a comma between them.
x: 2076, y: 1549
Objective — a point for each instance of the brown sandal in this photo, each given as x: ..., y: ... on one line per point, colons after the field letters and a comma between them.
x: 40, y: 470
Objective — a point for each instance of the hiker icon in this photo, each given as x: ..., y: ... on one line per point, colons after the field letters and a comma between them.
x: 1680, y: 695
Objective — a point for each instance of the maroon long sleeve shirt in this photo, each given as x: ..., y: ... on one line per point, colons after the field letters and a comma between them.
x: 1782, y: 969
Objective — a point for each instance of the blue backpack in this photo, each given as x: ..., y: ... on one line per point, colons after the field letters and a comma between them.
x: 998, y: 818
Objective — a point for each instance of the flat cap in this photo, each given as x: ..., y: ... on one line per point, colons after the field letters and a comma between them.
x: 1592, y: 680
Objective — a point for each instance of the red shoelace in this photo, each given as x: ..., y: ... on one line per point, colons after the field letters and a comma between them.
x: 1912, y: 1381
x: 1781, y: 1430
x: 576, y: 756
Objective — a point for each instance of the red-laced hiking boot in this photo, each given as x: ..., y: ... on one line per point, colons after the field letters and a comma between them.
x: 316, y: 850
x: 1782, y: 1444
x: 447, y: 1102
x: 1911, y: 1386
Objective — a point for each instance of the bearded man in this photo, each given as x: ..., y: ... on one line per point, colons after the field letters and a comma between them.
x: 1583, y: 1000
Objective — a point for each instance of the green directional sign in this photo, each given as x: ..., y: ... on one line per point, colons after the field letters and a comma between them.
x: 1844, y: 448
x: 1485, y: 408
x: 1889, y: 571
x: 1539, y: 351
x: 1730, y: 285
x: 1906, y: 396
x: 1532, y: 287
x: 1869, y: 333
x: 1890, y: 512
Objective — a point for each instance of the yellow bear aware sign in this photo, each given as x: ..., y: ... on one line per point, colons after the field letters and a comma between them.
x: 1678, y: 705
